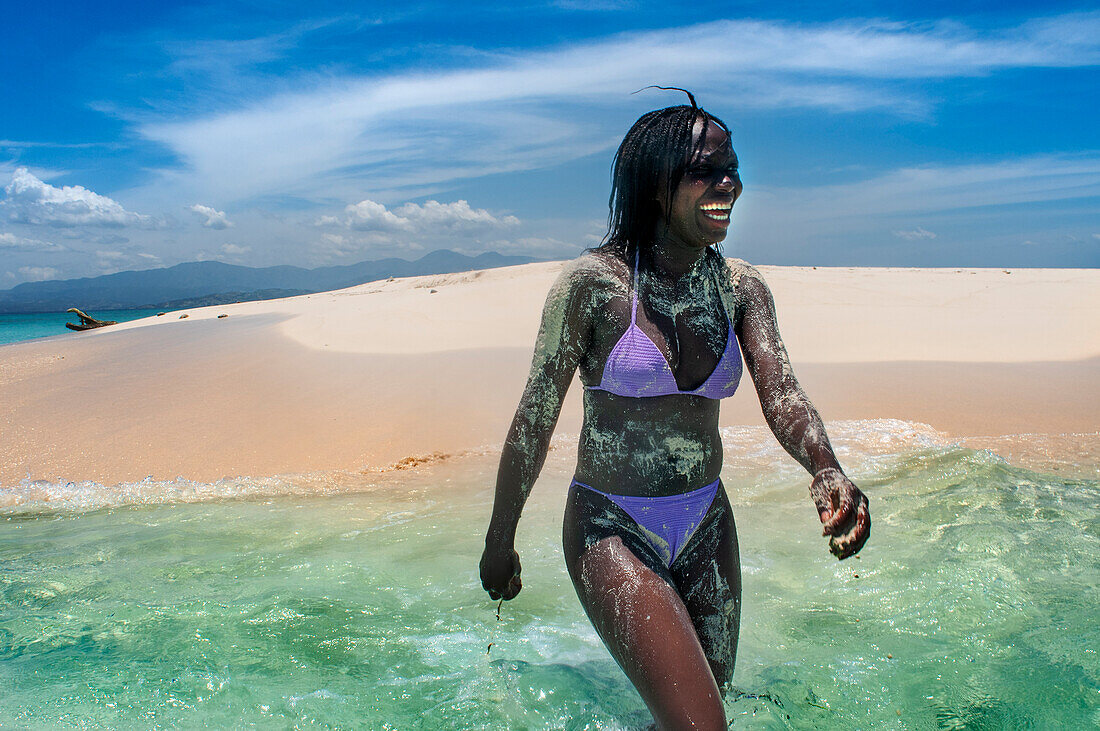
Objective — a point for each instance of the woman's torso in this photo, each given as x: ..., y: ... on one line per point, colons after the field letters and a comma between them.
x: 660, y: 445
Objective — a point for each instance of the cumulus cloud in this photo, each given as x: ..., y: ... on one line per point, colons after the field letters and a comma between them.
x: 915, y: 235
x: 429, y: 217
x: 29, y: 200
x: 367, y: 215
x: 38, y: 274
x: 453, y: 216
x: 11, y: 242
x: 212, y: 218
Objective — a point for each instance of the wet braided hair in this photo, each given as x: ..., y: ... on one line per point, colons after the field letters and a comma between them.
x: 657, y: 148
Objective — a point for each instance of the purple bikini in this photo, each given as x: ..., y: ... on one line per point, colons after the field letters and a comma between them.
x: 636, y: 368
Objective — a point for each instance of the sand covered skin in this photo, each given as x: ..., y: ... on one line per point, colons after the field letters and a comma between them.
x: 365, y: 377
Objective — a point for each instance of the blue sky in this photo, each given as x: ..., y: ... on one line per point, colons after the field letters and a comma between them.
x: 895, y: 134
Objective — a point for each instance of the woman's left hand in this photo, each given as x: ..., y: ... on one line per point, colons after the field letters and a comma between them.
x: 843, y: 510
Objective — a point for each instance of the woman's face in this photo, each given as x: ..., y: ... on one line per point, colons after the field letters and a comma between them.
x: 700, y: 211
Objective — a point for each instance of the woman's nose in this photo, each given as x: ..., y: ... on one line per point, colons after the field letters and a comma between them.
x: 725, y: 183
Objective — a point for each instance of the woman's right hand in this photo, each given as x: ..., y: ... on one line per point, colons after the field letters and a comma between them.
x: 500, y: 572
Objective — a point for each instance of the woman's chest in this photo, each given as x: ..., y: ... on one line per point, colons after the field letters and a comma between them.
x: 689, y: 337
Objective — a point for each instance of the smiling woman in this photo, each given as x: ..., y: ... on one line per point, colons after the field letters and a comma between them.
x: 656, y: 322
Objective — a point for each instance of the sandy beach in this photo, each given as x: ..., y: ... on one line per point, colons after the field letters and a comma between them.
x: 366, y: 377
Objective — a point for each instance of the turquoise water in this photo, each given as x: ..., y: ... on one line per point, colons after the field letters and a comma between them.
x: 351, y: 600
x: 14, y: 328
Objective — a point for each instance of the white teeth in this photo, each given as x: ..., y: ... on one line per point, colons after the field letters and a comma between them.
x: 717, y: 217
x: 716, y: 206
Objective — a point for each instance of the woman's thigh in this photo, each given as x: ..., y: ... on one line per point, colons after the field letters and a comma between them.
x: 639, y: 615
x: 707, y: 575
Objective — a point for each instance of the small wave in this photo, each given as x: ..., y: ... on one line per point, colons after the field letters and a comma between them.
x: 43, y: 496
x: 861, y: 445
x: 864, y: 447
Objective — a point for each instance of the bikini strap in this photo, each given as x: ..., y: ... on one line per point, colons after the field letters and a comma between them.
x: 634, y: 306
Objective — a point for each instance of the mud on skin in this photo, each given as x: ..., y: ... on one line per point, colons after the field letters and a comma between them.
x: 667, y: 444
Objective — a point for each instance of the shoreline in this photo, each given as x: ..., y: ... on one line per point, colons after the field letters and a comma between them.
x: 366, y: 377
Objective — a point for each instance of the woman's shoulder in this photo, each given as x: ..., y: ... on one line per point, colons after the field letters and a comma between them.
x: 746, y: 285
x: 595, y: 270
x: 740, y: 274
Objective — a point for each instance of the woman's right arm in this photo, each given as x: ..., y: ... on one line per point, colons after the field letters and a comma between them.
x: 563, y: 338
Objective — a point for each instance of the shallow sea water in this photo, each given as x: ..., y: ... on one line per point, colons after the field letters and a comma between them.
x: 29, y: 326
x: 352, y: 600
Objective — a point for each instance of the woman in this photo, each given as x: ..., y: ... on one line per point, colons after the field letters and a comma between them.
x: 657, y: 321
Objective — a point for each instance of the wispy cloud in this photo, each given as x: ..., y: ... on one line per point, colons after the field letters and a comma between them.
x: 31, y: 201
x: 516, y: 111
x: 916, y: 234
x: 38, y: 274
x: 29, y: 145
x: 937, y: 188
x: 11, y: 242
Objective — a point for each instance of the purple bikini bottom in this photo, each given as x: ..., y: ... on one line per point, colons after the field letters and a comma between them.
x: 667, y: 521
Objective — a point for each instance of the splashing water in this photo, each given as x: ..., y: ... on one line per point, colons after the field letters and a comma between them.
x: 353, y: 600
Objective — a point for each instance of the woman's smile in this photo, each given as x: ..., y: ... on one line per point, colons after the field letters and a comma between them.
x: 717, y: 211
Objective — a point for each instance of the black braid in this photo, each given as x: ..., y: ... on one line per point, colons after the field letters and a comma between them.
x: 658, y: 146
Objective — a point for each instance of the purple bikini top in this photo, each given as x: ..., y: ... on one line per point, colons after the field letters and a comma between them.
x: 636, y: 367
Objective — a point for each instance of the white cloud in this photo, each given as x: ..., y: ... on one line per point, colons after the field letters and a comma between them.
x: 429, y: 217
x: 29, y: 200
x: 517, y: 111
x: 935, y: 188
x: 453, y: 216
x: 109, y: 261
x: 536, y: 246
x: 38, y: 274
x: 333, y: 247
x: 212, y: 218
x: 915, y: 235
x: 11, y: 242
x: 101, y: 239
x: 106, y: 255
x: 368, y: 215
x: 235, y: 249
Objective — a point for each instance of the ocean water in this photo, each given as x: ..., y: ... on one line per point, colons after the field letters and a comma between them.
x: 352, y: 600
x: 17, y: 327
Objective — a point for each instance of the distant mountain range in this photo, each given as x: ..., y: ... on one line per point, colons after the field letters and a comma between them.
x: 200, y: 283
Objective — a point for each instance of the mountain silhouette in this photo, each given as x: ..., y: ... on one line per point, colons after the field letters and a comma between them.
x: 194, y: 284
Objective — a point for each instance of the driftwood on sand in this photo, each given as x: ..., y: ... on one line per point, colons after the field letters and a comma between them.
x: 86, y: 322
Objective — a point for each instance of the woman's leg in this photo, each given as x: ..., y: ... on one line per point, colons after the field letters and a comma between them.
x: 628, y: 595
x: 707, y: 575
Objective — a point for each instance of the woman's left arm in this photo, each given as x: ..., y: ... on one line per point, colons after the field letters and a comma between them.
x: 841, y: 506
